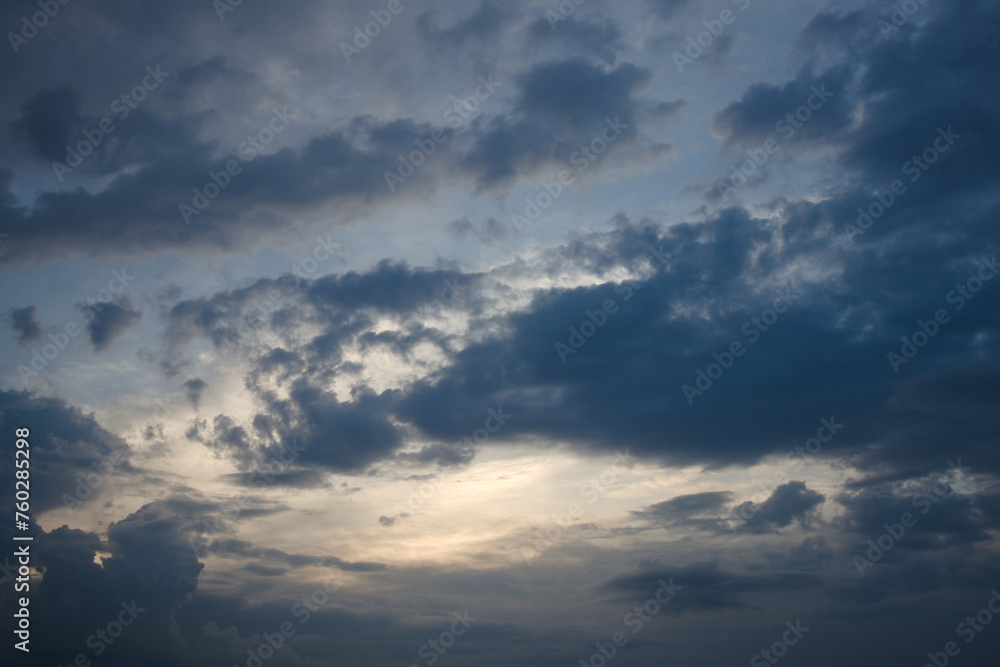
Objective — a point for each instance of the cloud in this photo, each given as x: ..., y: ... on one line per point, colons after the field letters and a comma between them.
x: 50, y: 120
x: 110, y: 320
x: 786, y: 503
x: 560, y: 106
x: 150, y: 564
x: 24, y: 321
x: 193, y: 389
x: 693, y: 509
x: 230, y: 548
x: 488, y: 231
x: 486, y: 23
x: 708, y: 587
x: 72, y: 454
x: 762, y: 111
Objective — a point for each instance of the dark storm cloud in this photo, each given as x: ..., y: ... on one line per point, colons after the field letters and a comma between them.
x: 787, y: 503
x: 48, y: 122
x: 895, y: 93
x: 712, y: 511
x: 761, y: 113
x: 606, y: 393
x: 110, y: 320
x: 157, y: 157
x: 334, y: 434
x: 706, y: 586
x: 578, y: 95
x: 150, y: 563
x: 193, y: 389
x: 943, y: 517
x: 25, y: 323
x: 560, y: 106
x: 71, y: 453
x: 690, y: 509
x: 140, y: 212
x: 714, y: 276
x: 700, y: 280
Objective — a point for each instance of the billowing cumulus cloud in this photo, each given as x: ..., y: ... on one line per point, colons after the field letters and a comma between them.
x: 501, y: 333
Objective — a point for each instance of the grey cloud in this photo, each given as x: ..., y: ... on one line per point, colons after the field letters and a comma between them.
x: 691, y: 509
x: 786, y: 503
x: 193, y: 389
x: 73, y: 455
x: 245, y: 550
x: 49, y: 121
x: 484, y: 24
x: 25, y: 323
x: 110, y: 320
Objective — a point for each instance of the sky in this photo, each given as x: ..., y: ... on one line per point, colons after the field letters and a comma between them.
x: 656, y: 332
